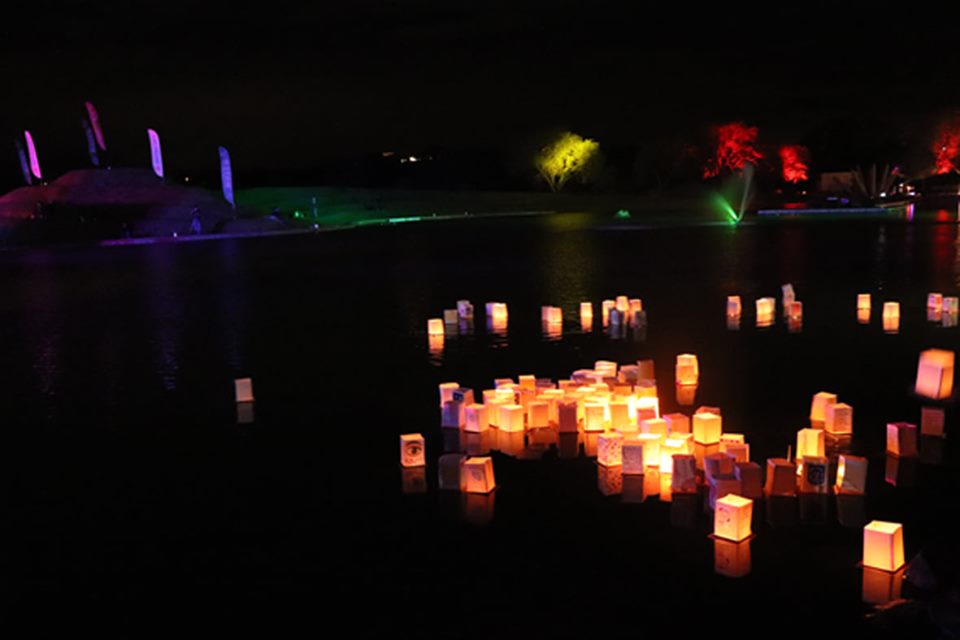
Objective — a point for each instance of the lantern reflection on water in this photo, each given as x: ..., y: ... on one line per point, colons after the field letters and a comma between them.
x: 883, y: 545
x: 449, y: 471
x: 731, y: 559
x: 931, y: 421
x: 881, y: 587
x: 609, y: 449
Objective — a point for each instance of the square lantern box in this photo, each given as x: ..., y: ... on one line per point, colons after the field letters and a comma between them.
x: 931, y: 421
x: 732, y: 518
x: 657, y: 426
x: 815, y: 475
x: 935, y: 374
x: 465, y: 309
x: 810, y: 442
x: 781, y: 477
x: 620, y: 415
x: 528, y: 381
x: 683, y: 476
x: 435, y: 327
x: 451, y: 317
x: 670, y: 447
x: 734, y: 308
x: 863, y: 301
x: 640, y: 452
x: 610, y: 449
x: 567, y: 416
x: 594, y: 416
x: 883, y: 545
x: 476, y: 475
x: 605, y: 307
x: 412, y: 450
x: 511, y: 418
x: 788, y: 294
x: 881, y: 587
x: 720, y: 486
x: 935, y: 301
x: 686, y: 394
x: 851, y: 475
x: 610, y: 480
x: 677, y: 423
x: 766, y: 307
x: 586, y: 315
x: 446, y: 391
x: 687, y: 369
x: 838, y: 419
x: 464, y: 395
x: 731, y: 559
x: 739, y: 451
x: 902, y: 439
x: 818, y: 407
x: 449, y: 465
x: 891, y: 316
x: 538, y: 414
x: 243, y: 390
x: 751, y: 479
x: 647, y: 407
x: 475, y: 416
x: 717, y: 464
x: 707, y: 428
x: 646, y: 369
x: 453, y: 415
x: 629, y: 374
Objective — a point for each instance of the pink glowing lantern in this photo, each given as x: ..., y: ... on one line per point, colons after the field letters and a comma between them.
x: 883, y: 545
x: 935, y: 374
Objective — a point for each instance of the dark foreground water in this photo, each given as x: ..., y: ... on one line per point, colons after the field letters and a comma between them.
x: 132, y: 496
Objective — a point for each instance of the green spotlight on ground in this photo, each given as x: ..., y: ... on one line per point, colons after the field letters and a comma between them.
x: 726, y: 208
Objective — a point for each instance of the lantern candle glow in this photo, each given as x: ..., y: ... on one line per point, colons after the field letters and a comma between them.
x: 733, y: 518
x: 883, y: 545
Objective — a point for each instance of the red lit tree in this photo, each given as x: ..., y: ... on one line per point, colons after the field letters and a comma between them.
x: 946, y: 147
x: 735, y: 146
x: 793, y: 160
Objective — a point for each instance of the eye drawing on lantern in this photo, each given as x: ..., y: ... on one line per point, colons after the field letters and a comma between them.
x: 413, y: 449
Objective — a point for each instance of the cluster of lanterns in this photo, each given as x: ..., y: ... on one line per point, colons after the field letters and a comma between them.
x: 766, y: 310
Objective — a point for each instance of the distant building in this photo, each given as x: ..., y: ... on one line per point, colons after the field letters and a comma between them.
x: 836, y: 181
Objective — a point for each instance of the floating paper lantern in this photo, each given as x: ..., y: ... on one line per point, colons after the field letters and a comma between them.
x: 935, y: 301
x: 605, y: 307
x: 838, y: 419
x: 707, y: 428
x: 451, y: 317
x: 902, y: 439
x: 810, y: 442
x: 709, y: 409
x: 243, y: 389
x: 510, y: 418
x: 476, y: 475
x: 657, y: 426
x: 795, y: 312
x: 620, y: 415
x: 935, y: 374
x: 634, y: 453
x: 610, y: 449
x: 717, y: 464
x: 851, y: 475
x: 605, y: 368
x: 677, y: 423
x: 412, y: 450
x: 781, y: 477
x: 567, y: 416
x: 475, y: 416
x: 509, y: 442
x: 465, y: 309
x: 931, y: 421
x: 766, y: 306
x: 863, y: 302
x: 435, y: 345
x: 554, y: 315
x: 683, y: 477
x: 635, y: 311
x: 751, y: 479
x: 594, y: 416
x: 883, y: 545
x: 668, y: 448
x: 446, y: 391
x: 731, y: 559
x: 730, y: 438
x: 734, y: 307
x: 435, y: 327
x: 538, y: 414
x: 453, y: 414
x: 622, y: 304
x: 528, y: 381
x: 813, y: 479
x: 687, y: 369
x: 788, y: 295
x: 891, y: 316
x: 819, y: 405
x: 732, y: 518
x: 586, y: 316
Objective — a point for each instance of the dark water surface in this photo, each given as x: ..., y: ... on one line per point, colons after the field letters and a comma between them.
x: 131, y: 493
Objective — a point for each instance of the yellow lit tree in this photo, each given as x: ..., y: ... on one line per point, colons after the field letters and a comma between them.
x: 566, y: 156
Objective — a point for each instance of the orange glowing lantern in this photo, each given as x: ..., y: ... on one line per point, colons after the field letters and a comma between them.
x: 902, y: 439
x: 731, y: 559
x: 610, y: 449
x: 766, y: 307
x: 476, y: 419
x: 609, y: 480
x: 669, y: 448
x: 838, y: 419
x: 594, y: 416
x: 863, y: 302
x: 818, y: 407
x: 510, y: 418
x: 683, y: 474
x: 605, y: 307
x: 781, y: 477
x: 931, y: 421
x: 935, y: 374
x: 656, y: 426
x: 476, y: 475
x: 243, y: 389
x: 622, y: 304
x: 687, y: 369
x: 732, y: 519
x: 677, y: 423
x: 730, y: 438
x: 412, y: 447
x: 814, y: 476
x: 851, y: 475
x: 810, y: 442
x: 538, y: 414
x: 435, y: 345
x: 788, y: 296
x: 640, y: 452
x: 734, y: 308
x: 707, y: 428
x: 883, y: 545
x: 739, y: 450
x: 435, y: 327
x: 750, y: 476
x: 446, y: 391
x: 635, y: 310
x: 863, y: 316
x: 586, y: 316
x: 450, y: 318
x: 891, y: 317
x: 567, y: 416
x: 707, y: 409
x: 620, y: 415
x: 647, y: 407
x: 646, y: 371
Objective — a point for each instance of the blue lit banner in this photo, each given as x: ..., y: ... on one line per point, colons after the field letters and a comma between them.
x: 156, y: 155
x: 226, y: 176
x: 91, y: 143
x: 27, y: 178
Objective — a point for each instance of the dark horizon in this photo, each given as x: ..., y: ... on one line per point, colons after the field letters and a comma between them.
x: 294, y: 88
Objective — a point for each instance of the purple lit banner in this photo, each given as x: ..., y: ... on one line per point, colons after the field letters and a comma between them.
x: 23, y: 164
x: 226, y: 176
x: 156, y: 155
x: 95, y: 123
x: 91, y: 143
x: 32, y: 154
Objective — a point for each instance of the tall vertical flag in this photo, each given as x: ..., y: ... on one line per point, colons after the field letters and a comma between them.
x: 226, y: 176
x: 95, y: 123
x: 156, y: 155
x: 27, y: 178
x: 91, y: 143
x: 32, y: 154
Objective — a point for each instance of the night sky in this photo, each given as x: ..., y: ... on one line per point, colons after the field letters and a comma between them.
x: 295, y: 86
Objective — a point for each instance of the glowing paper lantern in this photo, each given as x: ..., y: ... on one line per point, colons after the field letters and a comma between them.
x: 818, y: 406
x: 851, y: 475
x: 751, y: 479
x: 731, y: 559
x: 863, y: 302
x: 739, y: 450
x: 708, y: 409
x: 734, y: 308
x: 620, y: 415
x: 586, y: 316
x: 935, y: 301
x: 891, y: 316
x: 677, y: 423
x: 412, y: 450
x: 902, y: 439
x: 717, y: 464
x: 450, y: 317
x: 683, y: 477
x: 453, y: 415
x: 465, y: 309
x: 435, y: 327
x: 567, y: 416
x: 813, y: 479
x: 687, y: 369
x: 463, y: 394
x: 646, y: 369
x: 594, y: 416
x: 648, y: 406
x: 446, y: 391
x: 732, y: 519
x: 931, y: 421
x: 863, y: 316
x: 243, y: 389
x: 641, y: 452
x: 669, y: 448
x: 781, y: 477
x: 610, y: 449
x: 538, y: 414
x: 605, y: 307
x: 838, y: 419
x: 935, y: 374
x: 476, y: 475
x: 476, y: 419
x: 810, y: 442
x: 551, y: 315
x: 788, y: 295
x: 883, y: 545
x: 657, y: 426
x: 707, y: 428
